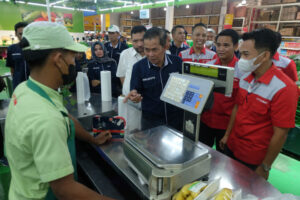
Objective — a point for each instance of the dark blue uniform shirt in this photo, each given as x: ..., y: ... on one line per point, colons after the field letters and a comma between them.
x: 175, y: 51
x: 115, y: 52
x: 94, y: 69
x: 16, y: 61
x: 149, y: 80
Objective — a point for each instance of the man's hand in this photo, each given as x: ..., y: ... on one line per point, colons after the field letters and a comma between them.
x: 260, y: 171
x: 134, y: 96
x: 223, y: 141
x: 102, y: 138
x: 95, y: 83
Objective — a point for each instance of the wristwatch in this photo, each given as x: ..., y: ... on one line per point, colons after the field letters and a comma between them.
x: 265, y: 167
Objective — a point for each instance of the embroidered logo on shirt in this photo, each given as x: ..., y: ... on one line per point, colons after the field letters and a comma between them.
x: 149, y: 79
x: 263, y: 101
x: 14, y: 99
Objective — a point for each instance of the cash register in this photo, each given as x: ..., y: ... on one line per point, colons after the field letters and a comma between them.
x: 163, y: 158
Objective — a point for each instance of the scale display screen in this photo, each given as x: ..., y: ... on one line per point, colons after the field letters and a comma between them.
x: 205, y: 71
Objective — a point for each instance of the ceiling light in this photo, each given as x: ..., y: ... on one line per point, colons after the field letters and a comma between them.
x: 95, y: 1
x: 165, y: 8
x: 187, y: 6
x: 131, y: 12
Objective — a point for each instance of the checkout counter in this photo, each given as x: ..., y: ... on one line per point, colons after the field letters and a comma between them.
x: 154, y: 163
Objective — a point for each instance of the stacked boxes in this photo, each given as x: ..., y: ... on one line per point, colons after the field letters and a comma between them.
x: 289, y: 13
x: 287, y: 31
x: 214, y: 20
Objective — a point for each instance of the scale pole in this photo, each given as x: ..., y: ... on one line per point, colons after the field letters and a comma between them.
x: 48, y: 10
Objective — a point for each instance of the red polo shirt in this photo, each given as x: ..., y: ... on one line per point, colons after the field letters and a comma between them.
x: 218, y: 117
x: 205, y: 55
x: 287, y: 65
x: 269, y: 101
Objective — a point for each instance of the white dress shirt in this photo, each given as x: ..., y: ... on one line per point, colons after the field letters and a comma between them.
x: 128, y: 58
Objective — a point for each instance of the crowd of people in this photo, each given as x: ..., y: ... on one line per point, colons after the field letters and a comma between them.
x: 250, y: 126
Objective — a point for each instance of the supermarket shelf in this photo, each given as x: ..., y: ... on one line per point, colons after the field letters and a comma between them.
x: 275, y: 22
x: 291, y: 37
x: 131, y: 19
x: 264, y: 22
x: 212, y: 15
x: 237, y: 27
x: 276, y: 5
x: 288, y: 48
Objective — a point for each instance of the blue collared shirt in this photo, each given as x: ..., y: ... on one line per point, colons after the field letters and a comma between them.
x: 114, y: 52
x: 150, y: 80
x: 175, y: 51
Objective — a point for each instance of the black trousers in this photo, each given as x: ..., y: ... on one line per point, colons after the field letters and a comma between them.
x: 208, y: 135
x: 229, y: 153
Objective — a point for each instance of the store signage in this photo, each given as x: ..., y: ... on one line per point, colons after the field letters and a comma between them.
x: 144, y: 14
x: 228, y: 21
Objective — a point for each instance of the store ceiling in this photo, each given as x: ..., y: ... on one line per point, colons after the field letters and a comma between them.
x: 108, y: 5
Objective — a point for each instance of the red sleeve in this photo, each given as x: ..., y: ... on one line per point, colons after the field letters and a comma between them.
x: 180, y: 55
x: 291, y: 71
x: 215, y: 56
x: 283, y: 107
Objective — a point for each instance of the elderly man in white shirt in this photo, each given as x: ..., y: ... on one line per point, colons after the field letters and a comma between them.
x: 130, y: 56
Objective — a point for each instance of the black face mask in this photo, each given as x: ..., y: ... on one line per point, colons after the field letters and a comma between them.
x: 69, y: 78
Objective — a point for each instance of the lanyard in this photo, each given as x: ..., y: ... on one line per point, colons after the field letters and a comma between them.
x: 34, y: 87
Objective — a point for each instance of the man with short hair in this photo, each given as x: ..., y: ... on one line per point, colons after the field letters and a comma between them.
x: 39, y: 132
x: 177, y: 45
x: 198, y: 52
x: 265, y: 106
x: 130, y: 56
x: 15, y: 60
x: 149, y: 77
x: 115, y: 46
x: 211, y: 35
x: 287, y: 65
x: 215, y: 121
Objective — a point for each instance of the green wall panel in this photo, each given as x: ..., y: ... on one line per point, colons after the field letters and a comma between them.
x: 10, y: 14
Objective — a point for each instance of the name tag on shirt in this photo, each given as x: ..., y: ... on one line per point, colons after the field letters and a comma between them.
x: 148, y: 79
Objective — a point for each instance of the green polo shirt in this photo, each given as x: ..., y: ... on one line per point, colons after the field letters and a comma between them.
x: 36, y: 142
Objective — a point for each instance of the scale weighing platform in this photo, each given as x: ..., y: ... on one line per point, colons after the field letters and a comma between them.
x: 163, y: 158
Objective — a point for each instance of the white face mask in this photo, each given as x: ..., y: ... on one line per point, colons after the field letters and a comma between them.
x: 209, y: 43
x: 248, y: 65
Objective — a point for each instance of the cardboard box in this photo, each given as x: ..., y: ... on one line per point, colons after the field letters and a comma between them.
x: 208, y: 8
x: 204, y: 20
x: 184, y: 20
x: 129, y: 23
x: 190, y: 21
x: 216, y: 7
x: 289, y: 1
x: 287, y: 31
x: 197, y: 20
x: 240, y: 11
x: 298, y: 16
x: 274, y: 1
x: 271, y: 26
x: 214, y: 20
x: 123, y: 16
x: 123, y: 22
x: 275, y: 15
x: 188, y: 29
x: 264, y: 16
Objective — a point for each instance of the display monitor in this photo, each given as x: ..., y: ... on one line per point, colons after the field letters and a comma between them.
x: 222, y: 76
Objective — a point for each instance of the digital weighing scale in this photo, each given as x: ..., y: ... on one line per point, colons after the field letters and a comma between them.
x: 163, y: 159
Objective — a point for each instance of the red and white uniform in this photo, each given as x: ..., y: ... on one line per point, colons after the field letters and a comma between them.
x: 270, y: 101
x: 218, y: 117
x: 288, y: 66
x: 190, y: 55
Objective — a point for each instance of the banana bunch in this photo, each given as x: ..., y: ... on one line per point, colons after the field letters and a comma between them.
x: 224, y: 194
x: 190, y: 191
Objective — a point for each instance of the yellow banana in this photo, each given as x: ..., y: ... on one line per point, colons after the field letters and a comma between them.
x: 185, y: 190
x: 224, y: 194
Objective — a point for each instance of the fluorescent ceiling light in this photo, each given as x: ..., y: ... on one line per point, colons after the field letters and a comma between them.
x: 165, y: 8
x: 57, y: 2
x: 187, y: 6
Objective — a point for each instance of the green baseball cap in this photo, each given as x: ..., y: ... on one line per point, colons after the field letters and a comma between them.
x: 50, y: 35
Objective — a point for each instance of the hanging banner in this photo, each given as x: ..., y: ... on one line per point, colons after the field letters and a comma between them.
x: 228, y: 21
x: 37, y: 15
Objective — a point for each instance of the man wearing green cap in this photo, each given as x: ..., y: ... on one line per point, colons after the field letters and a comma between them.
x: 39, y: 133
